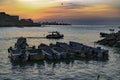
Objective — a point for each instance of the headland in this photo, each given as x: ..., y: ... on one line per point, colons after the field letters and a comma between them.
x: 7, y: 20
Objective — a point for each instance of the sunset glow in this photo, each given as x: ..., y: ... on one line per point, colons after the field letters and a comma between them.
x: 61, y: 9
x: 36, y: 3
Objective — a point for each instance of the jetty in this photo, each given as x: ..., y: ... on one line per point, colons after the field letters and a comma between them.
x: 59, y: 51
x: 111, y: 39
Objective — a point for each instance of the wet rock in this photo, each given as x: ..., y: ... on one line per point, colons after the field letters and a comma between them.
x: 113, y: 40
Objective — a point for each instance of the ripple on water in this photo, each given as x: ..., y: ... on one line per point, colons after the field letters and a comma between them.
x: 69, y: 70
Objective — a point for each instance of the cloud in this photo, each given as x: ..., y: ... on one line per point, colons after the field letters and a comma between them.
x: 1, y: 0
x: 115, y: 3
x: 80, y: 11
x: 73, y: 5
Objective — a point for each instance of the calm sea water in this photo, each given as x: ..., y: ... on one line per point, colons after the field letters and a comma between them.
x: 67, y: 70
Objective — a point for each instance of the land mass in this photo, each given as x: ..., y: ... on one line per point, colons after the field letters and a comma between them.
x: 54, y: 23
x: 7, y: 20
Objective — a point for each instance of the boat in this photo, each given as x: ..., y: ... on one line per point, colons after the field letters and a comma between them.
x: 72, y: 46
x: 69, y: 46
x: 22, y: 52
x: 55, y: 35
x: 76, y: 46
x: 59, y: 52
x: 88, y: 51
x: 46, y: 50
x: 63, y: 45
x: 35, y: 54
x: 18, y: 55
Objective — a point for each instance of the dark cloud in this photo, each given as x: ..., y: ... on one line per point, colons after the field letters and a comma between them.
x: 68, y: 7
x: 73, y: 5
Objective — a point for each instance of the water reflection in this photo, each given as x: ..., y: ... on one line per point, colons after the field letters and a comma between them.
x: 59, y: 70
x: 55, y: 63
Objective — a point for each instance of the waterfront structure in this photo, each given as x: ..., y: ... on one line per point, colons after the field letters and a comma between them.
x: 13, y: 20
x: 6, y: 20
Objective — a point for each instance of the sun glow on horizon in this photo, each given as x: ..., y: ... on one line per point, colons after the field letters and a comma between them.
x: 60, y: 9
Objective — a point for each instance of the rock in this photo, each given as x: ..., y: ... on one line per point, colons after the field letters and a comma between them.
x: 113, y: 40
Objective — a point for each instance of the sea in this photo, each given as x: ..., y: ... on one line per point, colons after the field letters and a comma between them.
x: 59, y: 70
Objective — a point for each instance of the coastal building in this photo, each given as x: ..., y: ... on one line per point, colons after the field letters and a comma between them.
x: 13, y: 20
x: 6, y: 20
x: 26, y: 22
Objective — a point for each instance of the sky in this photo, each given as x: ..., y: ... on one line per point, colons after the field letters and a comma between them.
x: 71, y: 11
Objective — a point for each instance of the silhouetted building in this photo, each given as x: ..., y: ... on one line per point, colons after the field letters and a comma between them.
x: 26, y: 22
x: 6, y: 20
x: 12, y: 20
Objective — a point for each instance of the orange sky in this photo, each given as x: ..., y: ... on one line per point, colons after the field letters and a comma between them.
x: 48, y: 9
